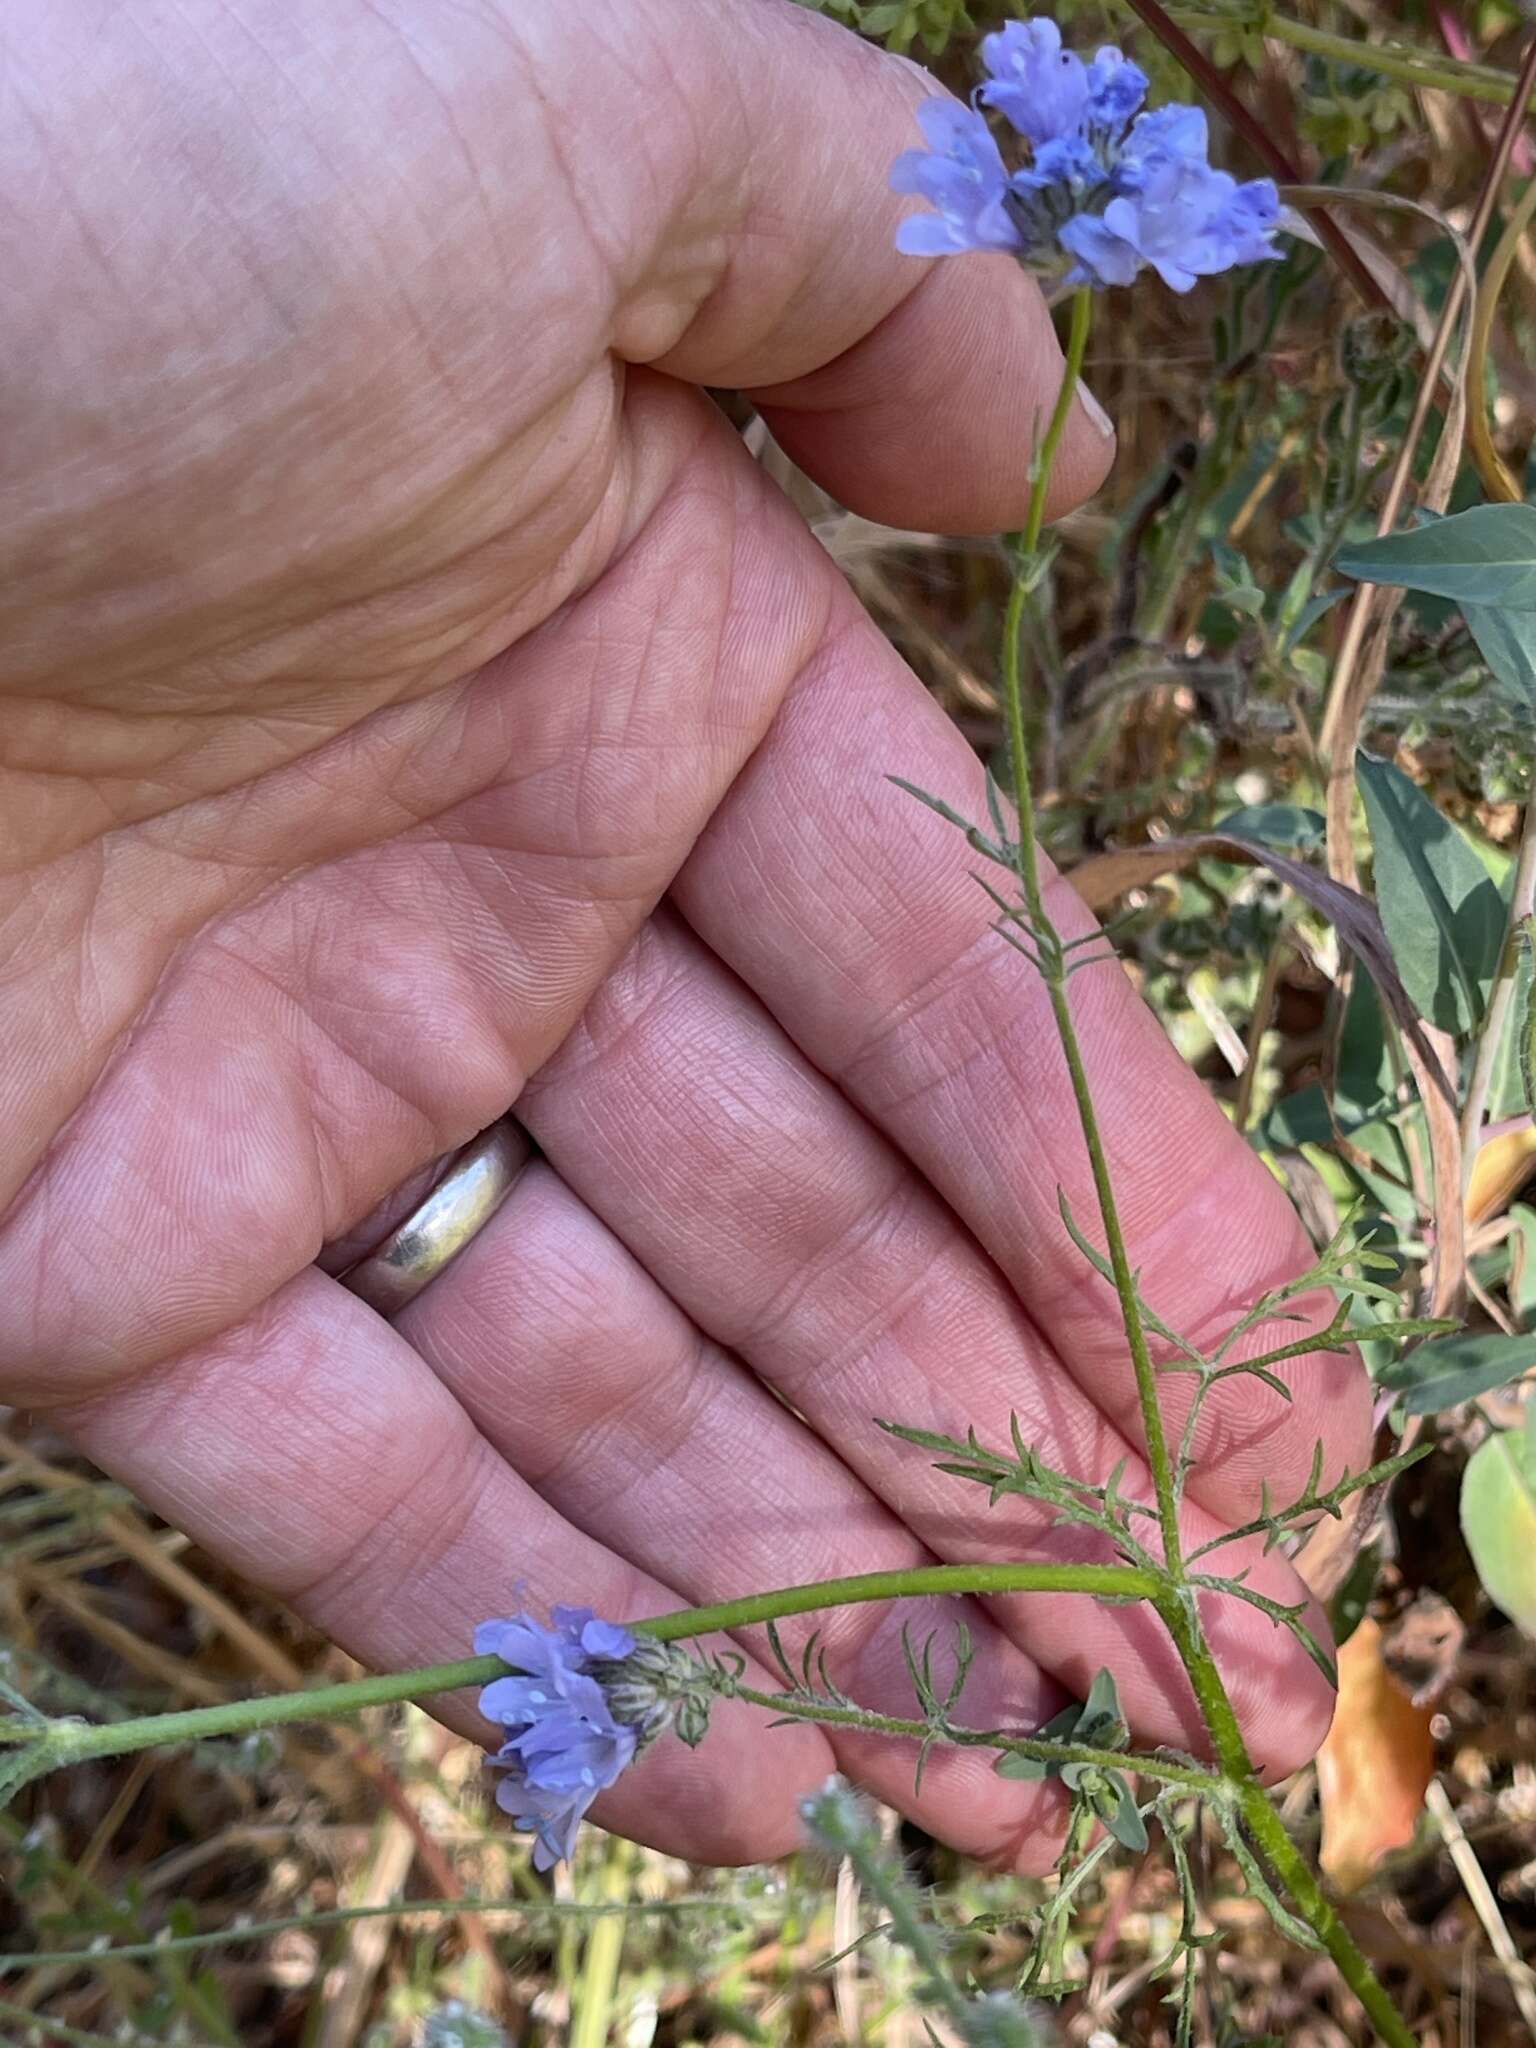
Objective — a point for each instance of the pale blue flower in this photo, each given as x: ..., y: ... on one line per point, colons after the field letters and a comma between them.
x: 1105, y: 255
x: 1035, y: 84
x: 962, y: 176
x: 1069, y: 162
x: 1106, y: 190
x: 1251, y: 219
x: 1186, y: 222
x: 564, y: 1743
x: 1044, y: 195
x: 1173, y: 134
x: 1116, y: 90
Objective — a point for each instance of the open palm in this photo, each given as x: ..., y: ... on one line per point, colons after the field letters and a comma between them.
x: 388, y: 626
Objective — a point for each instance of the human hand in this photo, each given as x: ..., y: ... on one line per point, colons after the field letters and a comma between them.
x: 380, y: 640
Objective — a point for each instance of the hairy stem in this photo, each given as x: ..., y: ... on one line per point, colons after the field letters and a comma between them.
x: 1061, y: 412
x: 241, y: 1931
x: 1176, y: 1601
x: 1052, y: 956
x: 829, y: 1714
x: 1423, y: 68
x: 1293, y: 1870
x: 67, y: 1742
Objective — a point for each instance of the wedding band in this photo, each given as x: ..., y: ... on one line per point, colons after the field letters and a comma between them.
x: 477, y: 1181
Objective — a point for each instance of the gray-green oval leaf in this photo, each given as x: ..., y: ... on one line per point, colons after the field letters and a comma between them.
x: 1498, y: 1519
x: 1449, y: 1370
x: 1443, y: 913
x: 1483, y: 556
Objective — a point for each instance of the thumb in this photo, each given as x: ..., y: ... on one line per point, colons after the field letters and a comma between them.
x: 759, y: 253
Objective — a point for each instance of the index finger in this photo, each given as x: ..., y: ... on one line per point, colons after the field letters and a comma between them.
x: 759, y: 252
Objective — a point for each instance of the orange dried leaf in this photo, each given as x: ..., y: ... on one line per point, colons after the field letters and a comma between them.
x: 1502, y: 1167
x: 1374, y: 1767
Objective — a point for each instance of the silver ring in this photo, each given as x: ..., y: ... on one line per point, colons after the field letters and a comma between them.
x: 476, y: 1183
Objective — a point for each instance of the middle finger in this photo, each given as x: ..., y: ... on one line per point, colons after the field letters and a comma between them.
x: 649, y: 1440
x: 793, y: 1232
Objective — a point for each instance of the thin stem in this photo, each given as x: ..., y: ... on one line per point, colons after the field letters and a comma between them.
x: 1158, y: 1459
x: 1177, y: 1600
x: 1053, y: 963
x: 1292, y: 1868
x: 67, y: 1742
x: 827, y: 1714
x: 853, y: 1835
x: 1181, y: 1617
x: 58, y: 2034
x: 241, y: 1931
x: 1105, y: 1581
x: 1429, y: 71
x: 1061, y: 412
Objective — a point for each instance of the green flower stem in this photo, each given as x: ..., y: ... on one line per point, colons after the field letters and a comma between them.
x: 1428, y: 70
x: 1176, y: 1599
x: 1292, y: 1868
x: 1180, y: 1617
x: 242, y: 1932
x: 1061, y: 412
x: 1053, y: 959
x: 827, y: 1714
x: 1104, y: 1581
x: 68, y: 1742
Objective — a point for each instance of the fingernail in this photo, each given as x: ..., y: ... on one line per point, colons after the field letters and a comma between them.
x: 1094, y: 410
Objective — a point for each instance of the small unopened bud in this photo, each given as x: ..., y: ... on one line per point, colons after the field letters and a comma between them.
x: 1001, y: 2021
x: 838, y: 1820
x: 658, y: 1686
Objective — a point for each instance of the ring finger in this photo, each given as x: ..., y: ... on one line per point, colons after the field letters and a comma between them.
x: 650, y: 1439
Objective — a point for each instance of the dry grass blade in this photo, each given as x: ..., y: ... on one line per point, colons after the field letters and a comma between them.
x: 365, y: 1943
x: 1497, y: 478
x: 1354, y: 679
x: 1521, y: 1982
x: 1450, y: 1270
x: 1355, y: 675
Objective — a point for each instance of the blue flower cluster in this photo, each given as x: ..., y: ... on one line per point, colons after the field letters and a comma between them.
x: 564, y: 1743
x: 1106, y: 190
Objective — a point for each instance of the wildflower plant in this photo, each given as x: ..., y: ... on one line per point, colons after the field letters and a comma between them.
x: 1106, y: 188
x: 1093, y: 189
x: 564, y: 1741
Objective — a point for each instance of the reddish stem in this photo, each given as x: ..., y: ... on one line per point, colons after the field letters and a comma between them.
x: 1263, y: 144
